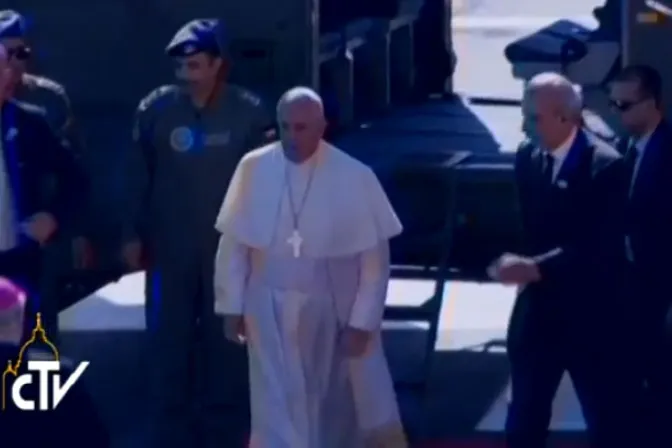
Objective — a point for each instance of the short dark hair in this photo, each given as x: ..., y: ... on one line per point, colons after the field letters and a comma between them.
x: 648, y: 78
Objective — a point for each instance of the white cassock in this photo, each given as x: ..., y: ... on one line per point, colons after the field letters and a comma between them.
x: 304, y: 392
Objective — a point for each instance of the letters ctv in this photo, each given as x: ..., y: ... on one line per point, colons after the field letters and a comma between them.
x: 35, y: 383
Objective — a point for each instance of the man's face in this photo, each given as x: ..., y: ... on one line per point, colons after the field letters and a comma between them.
x: 541, y: 121
x: 302, y: 127
x: 198, y: 69
x: 18, y: 54
x: 632, y: 107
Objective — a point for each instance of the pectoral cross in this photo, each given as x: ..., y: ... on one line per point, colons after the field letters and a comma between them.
x: 295, y: 241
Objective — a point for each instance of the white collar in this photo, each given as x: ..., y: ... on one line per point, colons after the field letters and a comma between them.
x: 560, y: 153
x: 641, y: 142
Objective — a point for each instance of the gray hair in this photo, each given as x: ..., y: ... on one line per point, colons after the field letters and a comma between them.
x: 568, y: 95
x: 297, y: 95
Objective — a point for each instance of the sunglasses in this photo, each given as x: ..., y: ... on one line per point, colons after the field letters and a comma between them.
x: 624, y: 106
x: 19, y: 53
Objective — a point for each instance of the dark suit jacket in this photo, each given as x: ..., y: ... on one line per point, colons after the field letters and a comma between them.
x: 570, y: 227
x: 35, y: 158
x: 74, y: 423
x: 648, y: 218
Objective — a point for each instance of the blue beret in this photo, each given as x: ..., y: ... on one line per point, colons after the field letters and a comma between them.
x: 12, y: 24
x: 201, y: 35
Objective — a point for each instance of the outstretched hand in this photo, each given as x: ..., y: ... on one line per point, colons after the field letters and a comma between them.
x: 512, y: 269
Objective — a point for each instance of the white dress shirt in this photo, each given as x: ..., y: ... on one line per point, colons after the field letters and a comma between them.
x: 8, y: 235
x: 559, y: 154
x: 639, y: 145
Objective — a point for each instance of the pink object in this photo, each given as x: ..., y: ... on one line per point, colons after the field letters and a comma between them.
x: 11, y: 296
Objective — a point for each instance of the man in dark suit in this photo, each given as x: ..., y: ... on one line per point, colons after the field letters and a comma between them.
x: 74, y: 422
x: 567, y: 316
x: 53, y: 101
x: 32, y: 211
x: 647, y: 241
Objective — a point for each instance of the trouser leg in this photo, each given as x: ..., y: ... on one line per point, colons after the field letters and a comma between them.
x: 222, y: 377
x: 170, y: 318
x: 23, y: 267
x: 657, y: 367
x: 609, y: 390
x: 56, y: 265
x: 537, y: 366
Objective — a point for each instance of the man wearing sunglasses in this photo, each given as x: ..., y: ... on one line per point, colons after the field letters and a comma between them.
x: 636, y: 95
x: 188, y: 139
x: 52, y: 101
x: 40, y: 91
x: 41, y: 189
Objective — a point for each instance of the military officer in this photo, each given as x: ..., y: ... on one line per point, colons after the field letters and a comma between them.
x: 188, y: 138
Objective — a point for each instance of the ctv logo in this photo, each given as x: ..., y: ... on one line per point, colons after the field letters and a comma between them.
x: 39, y: 373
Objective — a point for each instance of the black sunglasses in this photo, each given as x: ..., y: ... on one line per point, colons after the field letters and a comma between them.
x: 19, y: 53
x: 624, y: 106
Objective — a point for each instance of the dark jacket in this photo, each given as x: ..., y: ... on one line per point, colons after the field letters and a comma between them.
x: 52, y: 100
x: 648, y: 218
x: 570, y: 227
x: 75, y: 423
x: 35, y: 161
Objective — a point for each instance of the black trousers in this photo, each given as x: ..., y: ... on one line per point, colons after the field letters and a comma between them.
x: 648, y: 297
x: 22, y: 265
x: 199, y: 383
x: 543, y: 343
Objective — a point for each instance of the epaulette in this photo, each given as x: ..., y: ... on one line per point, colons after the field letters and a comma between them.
x: 36, y: 82
x: 157, y: 96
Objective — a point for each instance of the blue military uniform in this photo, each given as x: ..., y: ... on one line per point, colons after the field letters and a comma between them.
x: 178, y: 172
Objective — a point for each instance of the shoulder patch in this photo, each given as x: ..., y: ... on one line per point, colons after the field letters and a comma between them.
x: 156, y: 96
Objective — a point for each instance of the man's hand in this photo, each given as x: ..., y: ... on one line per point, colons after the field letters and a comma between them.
x: 512, y: 269
x: 131, y: 254
x: 355, y: 342
x: 234, y: 328
x: 82, y: 253
x: 40, y: 227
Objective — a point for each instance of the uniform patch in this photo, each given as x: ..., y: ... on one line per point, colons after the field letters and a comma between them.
x: 182, y: 139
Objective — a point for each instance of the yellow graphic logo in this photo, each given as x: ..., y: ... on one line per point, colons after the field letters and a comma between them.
x: 38, y: 335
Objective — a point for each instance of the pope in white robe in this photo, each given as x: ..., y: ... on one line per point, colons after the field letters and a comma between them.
x: 301, y: 277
